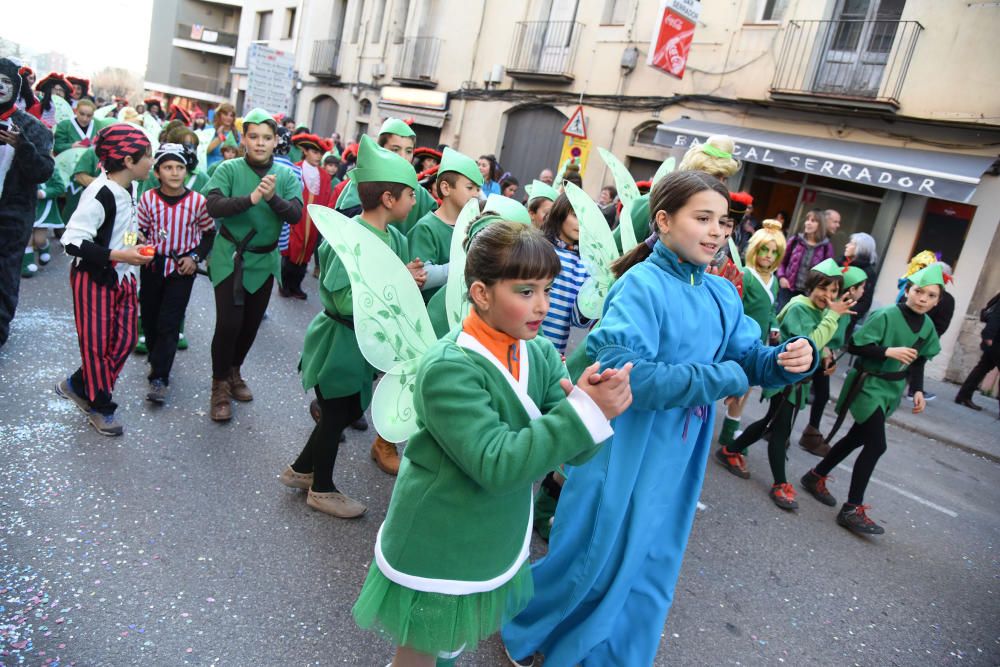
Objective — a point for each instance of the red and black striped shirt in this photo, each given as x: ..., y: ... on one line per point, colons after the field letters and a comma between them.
x: 173, y: 225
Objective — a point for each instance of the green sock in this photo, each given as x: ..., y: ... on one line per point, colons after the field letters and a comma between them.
x: 729, y: 428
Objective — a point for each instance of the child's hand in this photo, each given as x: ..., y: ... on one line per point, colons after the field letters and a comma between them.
x: 416, y: 268
x: 131, y: 255
x: 919, y: 402
x: 904, y: 355
x: 266, y: 187
x: 186, y: 266
x: 610, y: 390
x: 843, y: 306
x: 797, y: 356
x: 735, y: 401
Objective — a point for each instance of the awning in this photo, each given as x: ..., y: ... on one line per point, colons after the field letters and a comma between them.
x: 949, y: 176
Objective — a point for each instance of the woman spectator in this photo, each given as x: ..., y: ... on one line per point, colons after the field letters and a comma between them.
x: 225, y: 132
x: 805, y: 250
x: 862, y: 253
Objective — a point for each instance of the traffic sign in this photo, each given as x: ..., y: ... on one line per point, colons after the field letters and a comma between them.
x: 575, y: 126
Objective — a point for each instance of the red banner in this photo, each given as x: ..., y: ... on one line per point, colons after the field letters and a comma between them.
x: 672, y: 39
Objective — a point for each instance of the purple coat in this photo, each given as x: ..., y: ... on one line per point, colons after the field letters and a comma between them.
x: 794, y: 253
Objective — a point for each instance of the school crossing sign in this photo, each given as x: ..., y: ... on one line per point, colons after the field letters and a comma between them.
x: 576, y: 126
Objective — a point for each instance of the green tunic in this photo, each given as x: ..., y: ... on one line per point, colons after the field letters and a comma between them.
x: 330, y: 358
x: 801, y: 318
x: 235, y: 178
x: 425, y: 203
x: 87, y: 164
x: 460, y: 511
x: 47, y: 210
x: 66, y: 135
x: 758, y: 302
x: 430, y: 240
x: 885, y: 327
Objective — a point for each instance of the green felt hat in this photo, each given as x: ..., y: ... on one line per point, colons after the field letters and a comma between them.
x: 257, y: 117
x: 376, y: 164
x: 828, y: 267
x: 853, y: 275
x: 541, y: 189
x: 507, y: 208
x: 931, y: 275
x: 397, y: 127
x: 452, y: 160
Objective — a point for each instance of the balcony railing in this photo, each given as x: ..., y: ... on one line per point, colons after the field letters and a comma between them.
x: 417, y: 64
x: 205, y: 84
x: 544, y: 50
x: 200, y: 33
x: 846, y: 61
x: 325, y: 63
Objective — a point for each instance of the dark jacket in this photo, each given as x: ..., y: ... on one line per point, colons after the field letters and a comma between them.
x: 31, y: 166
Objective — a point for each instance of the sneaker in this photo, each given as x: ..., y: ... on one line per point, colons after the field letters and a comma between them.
x: 361, y: 424
x: 157, y: 391
x: 733, y: 462
x: 105, y: 424
x: 815, y: 485
x: 65, y: 390
x: 182, y: 341
x: 854, y: 519
x: 813, y: 442
x: 523, y: 662
x: 783, y: 496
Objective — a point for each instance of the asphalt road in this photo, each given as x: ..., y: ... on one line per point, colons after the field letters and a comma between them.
x: 176, y: 545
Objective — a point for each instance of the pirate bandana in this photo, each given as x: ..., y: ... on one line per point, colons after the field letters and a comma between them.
x: 116, y: 142
x: 167, y: 152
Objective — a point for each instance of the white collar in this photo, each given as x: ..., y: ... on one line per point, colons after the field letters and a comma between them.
x: 520, y: 385
x: 79, y: 130
x: 767, y: 285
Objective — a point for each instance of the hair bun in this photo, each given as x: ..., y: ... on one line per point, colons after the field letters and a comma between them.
x: 771, y: 224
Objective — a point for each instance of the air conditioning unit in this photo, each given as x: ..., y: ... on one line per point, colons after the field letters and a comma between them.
x: 378, y: 70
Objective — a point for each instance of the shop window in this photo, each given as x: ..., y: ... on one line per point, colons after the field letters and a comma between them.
x: 943, y: 230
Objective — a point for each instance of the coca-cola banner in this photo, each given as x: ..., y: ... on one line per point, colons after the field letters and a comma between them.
x: 673, y: 35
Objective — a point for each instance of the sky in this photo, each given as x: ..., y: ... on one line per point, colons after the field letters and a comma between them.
x: 105, y: 33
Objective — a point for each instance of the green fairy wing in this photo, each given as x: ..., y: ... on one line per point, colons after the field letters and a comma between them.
x: 205, y: 137
x: 597, y: 249
x: 105, y: 112
x: 153, y: 128
x: 628, y: 191
x: 456, y: 295
x: 390, y: 319
x: 66, y: 163
x: 664, y: 169
x: 63, y: 110
x: 734, y: 252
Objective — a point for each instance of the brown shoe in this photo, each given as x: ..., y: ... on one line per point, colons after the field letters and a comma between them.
x: 385, y: 456
x: 238, y: 388
x: 812, y: 441
x: 221, y: 408
x: 335, y: 504
x: 295, y: 480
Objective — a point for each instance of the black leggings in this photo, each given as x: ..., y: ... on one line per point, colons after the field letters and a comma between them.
x: 236, y: 326
x: 162, y: 303
x: 821, y: 396
x: 783, y: 414
x: 320, y: 453
x: 870, y: 435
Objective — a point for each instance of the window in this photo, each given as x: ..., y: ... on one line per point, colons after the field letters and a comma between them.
x: 364, y: 107
x: 770, y: 10
x: 264, y: 25
x: 289, y: 23
x: 377, y: 20
x: 616, y: 12
x: 359, y: 10
x: 645, y: 133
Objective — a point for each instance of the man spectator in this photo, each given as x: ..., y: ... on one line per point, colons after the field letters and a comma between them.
x: 547, y: 176
x: 991, y: 354
x: 25, y: 162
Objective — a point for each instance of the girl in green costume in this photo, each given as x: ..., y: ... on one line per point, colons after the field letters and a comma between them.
x: 760, y: 290
x: 894, y: 343
x: 815, y: 316
x: 451, y: 559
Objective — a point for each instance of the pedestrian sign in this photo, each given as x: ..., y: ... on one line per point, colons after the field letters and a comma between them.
x: 575, y: 126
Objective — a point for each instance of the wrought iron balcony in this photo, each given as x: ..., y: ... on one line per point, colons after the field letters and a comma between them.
x: 206, y: 35
x: 205, y: 84
x: 544, y: 50
x: 845, y: 62
x: 325, y: 63
x: 417, y: 62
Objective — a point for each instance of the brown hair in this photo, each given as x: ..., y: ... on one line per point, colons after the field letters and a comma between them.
x: 670, y: 194
x: 535, y: 203
x: 370, y: 193
x: 506, y: 250
x: 449, y: 177
x: 820, y: 217
x: 817, y: 279
x: 225, y: 107
x: 383, y: 138
x: 560, y: 210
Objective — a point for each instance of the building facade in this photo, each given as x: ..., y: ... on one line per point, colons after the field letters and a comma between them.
x: 191, y: 49
x: 886, y: 110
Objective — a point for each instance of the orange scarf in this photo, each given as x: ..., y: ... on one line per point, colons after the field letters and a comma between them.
x: 505, y: 348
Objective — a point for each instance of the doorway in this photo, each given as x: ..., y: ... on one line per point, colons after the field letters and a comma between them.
x: 324, y: 116
x: 855, y: 46
x: 532, y: 141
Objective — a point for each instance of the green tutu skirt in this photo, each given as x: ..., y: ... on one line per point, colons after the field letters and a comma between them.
x: 434, y: 623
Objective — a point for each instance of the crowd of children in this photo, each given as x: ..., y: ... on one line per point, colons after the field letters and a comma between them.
x: 492, y: 404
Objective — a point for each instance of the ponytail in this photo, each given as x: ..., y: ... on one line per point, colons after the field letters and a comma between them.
x: 637, y: 254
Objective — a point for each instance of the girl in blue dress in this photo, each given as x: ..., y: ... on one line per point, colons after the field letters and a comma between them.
x: 603, y: 591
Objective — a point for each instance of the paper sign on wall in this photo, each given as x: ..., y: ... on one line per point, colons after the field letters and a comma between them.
x: 673, y: 35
